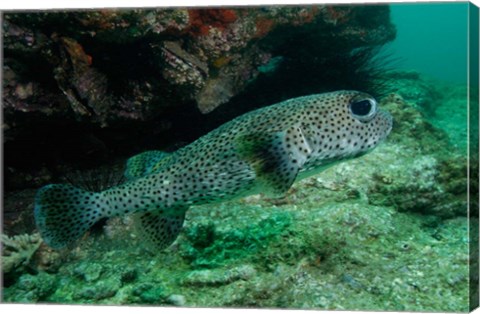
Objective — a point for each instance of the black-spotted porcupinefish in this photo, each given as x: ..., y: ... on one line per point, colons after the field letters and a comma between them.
x: 263, y: 151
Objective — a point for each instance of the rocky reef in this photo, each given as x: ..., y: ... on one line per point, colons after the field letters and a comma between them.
x: 205, y: 55
x: 94, y: 82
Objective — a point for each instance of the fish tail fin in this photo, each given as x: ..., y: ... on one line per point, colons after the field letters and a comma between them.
x: 64, y: 213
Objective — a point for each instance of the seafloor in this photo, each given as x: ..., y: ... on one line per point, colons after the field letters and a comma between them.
x: 387, y: 231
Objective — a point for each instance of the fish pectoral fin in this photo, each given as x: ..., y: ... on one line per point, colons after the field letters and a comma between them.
x: 276, y: 158
x: 145, y: 163
x: 160, y: 230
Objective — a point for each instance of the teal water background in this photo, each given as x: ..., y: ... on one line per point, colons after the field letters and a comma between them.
x: 431, y: 39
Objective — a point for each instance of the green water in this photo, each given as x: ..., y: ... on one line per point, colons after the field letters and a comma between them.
x: 432, y: 39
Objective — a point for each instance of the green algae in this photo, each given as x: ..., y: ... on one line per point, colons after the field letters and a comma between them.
x: 209, y: 247
x: 31, y: 288
x: 388, y: 260
x: 327, y: 253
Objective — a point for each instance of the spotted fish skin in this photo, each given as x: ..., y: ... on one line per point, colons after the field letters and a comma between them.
x: 264, y: 151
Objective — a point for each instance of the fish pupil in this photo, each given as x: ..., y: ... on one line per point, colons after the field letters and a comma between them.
x: 361, y: 108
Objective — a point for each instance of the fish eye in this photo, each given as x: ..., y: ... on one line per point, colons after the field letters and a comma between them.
x: 363, y: 108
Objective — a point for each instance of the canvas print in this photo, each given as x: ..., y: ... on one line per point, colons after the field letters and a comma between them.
x: 317, y: 157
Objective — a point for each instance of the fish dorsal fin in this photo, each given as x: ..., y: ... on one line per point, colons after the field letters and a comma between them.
x: 276, y: 157
x: 145, y: 163
x: 159, y: 229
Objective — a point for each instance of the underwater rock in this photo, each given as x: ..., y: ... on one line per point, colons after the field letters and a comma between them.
x: 22, y: 92
x: 89, y: 271
x: 18, y: 212
x: 100, y: 290
x: 22, y: 96
x: 31, y: 288
x: 208, y: 44
x: 427, y: 174
x: 414, y: 88
x: 209, y: 277
x: 116, y: 70
x: 177, y: 300
x: 451, y: 113
x: 183, y: 70
x: 149, y: 293
x: 84, y: 86
x: 352, y: 282
x: 208, y: 246
x: 48, y: 260
x: 16, y: 179
x: 128, y: 275
x: 437, y: 188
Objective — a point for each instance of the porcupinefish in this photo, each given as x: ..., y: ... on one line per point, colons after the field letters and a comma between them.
x: 263, y: 151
